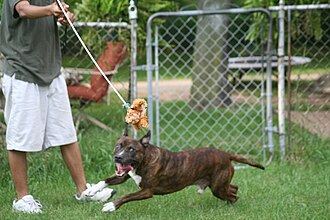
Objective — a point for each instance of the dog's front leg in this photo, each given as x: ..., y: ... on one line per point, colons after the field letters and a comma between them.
x: 113, y: 180
x: 140, y: 195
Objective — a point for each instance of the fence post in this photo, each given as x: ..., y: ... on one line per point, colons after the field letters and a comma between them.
x: 269, y: 113
x: 133, y: 17
x: 132, y: 11
x: 281, y: 79
x: 149, y: 77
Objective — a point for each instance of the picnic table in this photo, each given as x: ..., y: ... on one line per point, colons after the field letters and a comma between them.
x: 244, y: 64
x: 258, y: 62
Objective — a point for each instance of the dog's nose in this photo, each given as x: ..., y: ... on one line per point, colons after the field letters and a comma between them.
x: 118, y: 158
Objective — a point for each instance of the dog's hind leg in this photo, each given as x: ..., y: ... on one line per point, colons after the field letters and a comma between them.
x: 221, y: 187
x: 233, y: 189
x: 233, y: 193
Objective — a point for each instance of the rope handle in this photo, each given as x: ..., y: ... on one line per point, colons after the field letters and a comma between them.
x: 125, y: 104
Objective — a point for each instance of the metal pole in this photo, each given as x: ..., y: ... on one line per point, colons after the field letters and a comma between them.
x: 300, y: 7
x: 149, y: 78
x: 133, y: 17
x: 281, y: 79
x: 157, y: 87
x: 269, y: 88
x: 289, y: 92
x: 132, y: 11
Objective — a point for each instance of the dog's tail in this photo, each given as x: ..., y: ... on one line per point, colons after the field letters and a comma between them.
x: 241, y: 159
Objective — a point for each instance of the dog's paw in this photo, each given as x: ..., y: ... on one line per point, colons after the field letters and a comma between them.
x: 109, y: 207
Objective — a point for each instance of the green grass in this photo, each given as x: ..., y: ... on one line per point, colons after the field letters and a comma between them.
x: 294, y: 189
x: 225, y: 128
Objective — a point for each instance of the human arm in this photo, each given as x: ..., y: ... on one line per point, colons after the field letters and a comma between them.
x: 25, y: 10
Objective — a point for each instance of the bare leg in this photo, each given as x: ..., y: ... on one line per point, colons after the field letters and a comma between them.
x: 18, y: 168
x: 72, y: 158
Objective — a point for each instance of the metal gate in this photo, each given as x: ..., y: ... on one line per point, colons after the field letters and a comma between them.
x: 191, y: 54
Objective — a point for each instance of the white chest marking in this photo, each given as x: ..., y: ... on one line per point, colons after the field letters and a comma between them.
x: 135, y: 177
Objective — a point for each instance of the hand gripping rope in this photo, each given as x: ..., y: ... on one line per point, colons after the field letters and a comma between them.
x: 136, y: 114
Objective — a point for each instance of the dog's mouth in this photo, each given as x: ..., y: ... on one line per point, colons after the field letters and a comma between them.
x: 123, y: 169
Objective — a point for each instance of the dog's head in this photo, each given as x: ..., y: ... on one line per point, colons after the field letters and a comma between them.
x: 129, y: 153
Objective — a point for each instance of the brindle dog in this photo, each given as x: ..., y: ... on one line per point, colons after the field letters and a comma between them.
x: 158, y: 171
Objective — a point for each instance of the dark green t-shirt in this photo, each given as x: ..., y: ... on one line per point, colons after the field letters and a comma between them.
x: 31, y: 46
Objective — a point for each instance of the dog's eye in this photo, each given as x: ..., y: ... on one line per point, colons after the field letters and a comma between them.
x: 118, y: 146
x: 131, y: 149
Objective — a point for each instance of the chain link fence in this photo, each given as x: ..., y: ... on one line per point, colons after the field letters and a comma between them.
x: 93, y: 100
x: 207, y: 79
x: 307, y: 95
x: 209, y: 82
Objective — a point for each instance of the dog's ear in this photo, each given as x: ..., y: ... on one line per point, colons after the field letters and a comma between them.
x: 146, y: 139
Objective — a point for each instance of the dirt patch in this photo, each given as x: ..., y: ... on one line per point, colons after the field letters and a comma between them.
x: 173, y: 90
x: 169, y: 90
x: 315, y: 122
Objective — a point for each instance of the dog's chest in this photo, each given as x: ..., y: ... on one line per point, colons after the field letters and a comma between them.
x: 137, y: 179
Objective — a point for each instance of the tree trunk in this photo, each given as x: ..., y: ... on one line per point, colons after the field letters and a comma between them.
x: 211, y: 87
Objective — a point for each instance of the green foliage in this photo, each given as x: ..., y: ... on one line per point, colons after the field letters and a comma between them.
x: 70, y: 3
x: 101, y: 10
x: 1, y: 2
x: 117, y: 11
x: 309, y: 21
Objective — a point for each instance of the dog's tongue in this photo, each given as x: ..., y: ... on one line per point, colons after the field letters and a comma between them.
x: 122, y: 169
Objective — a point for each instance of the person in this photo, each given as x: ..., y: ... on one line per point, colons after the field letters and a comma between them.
x: 37, y: 109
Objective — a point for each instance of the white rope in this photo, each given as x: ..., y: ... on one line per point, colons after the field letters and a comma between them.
x: 88, y: 52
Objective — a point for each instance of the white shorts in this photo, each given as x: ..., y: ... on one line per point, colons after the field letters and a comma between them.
x: 37, y: 117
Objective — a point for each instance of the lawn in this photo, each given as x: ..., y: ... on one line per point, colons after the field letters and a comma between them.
x: 295, y: 189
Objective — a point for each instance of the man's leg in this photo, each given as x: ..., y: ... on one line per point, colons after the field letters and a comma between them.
x: 72, y: 158
x: 59, y: 118
x: 18, y: 168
